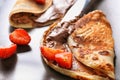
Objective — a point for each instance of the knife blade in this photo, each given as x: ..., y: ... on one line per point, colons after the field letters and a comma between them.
x: 77, y: 9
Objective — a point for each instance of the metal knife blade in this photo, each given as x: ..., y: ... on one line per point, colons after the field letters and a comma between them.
x: 76, y: 10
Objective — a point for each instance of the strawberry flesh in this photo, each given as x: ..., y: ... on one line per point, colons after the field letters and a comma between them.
x: 64, y: 59
x: 20, y: 37
x: 6, y: 52
x: 50, y: 53
x: 40, y: 1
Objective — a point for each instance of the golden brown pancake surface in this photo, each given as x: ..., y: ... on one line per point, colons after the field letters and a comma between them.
x: 90, y: 40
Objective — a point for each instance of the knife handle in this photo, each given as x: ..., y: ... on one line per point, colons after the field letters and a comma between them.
x: 88, y: 7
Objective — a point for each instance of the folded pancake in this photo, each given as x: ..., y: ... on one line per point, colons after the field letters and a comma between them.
x: 92, y: 43
x: 92, y: 57
x: 29, y: 14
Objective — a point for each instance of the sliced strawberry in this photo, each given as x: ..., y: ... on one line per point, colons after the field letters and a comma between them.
x: 40, y: 1
x: 50, y: 53
x: 6, y: 52
x: 64, y: 59
x: 20, y: 37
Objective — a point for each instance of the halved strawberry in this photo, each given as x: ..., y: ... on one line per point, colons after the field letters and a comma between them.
x: 20, y: 37
x: 40, y: 1
x: 50, y: 53
x: 6, y: 52
x: 64, y: 59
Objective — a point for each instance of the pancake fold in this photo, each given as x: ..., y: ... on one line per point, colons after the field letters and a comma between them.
x: 90, y: 40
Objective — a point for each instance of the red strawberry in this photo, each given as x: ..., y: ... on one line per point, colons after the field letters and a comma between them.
x: 6, y: 52
x: 64, y: 59
x: 40, y: 1
x: 50, y: 53
x: 20, y: 37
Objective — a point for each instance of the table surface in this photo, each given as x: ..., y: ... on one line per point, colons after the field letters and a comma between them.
x: 27, y: 62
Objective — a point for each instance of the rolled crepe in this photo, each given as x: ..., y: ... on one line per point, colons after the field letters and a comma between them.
x: 29, y: 14
x: 25, y: 11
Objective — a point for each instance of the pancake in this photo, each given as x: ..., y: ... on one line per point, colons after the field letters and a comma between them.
x: 94, y: 45
x: 24, y: 10
x: 29, y: 14
x: 90, y: 41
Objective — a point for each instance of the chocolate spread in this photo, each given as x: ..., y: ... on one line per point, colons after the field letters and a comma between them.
x: 57, y: 10
x: 23, y: 18
x: 58, y: 37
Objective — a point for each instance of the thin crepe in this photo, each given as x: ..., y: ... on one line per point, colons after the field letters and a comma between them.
x: 27, y: 8
x: 91, y: 43
x: 29, y: 14
x: 78, y: 70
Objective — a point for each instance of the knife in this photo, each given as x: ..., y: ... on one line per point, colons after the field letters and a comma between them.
x: 78, y: 9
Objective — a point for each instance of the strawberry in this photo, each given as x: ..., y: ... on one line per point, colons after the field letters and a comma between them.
x: 6, y: 52
x: 50, y: 53
x: 20, y: 37
x: 64, y: 59
x: 40, y: 1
